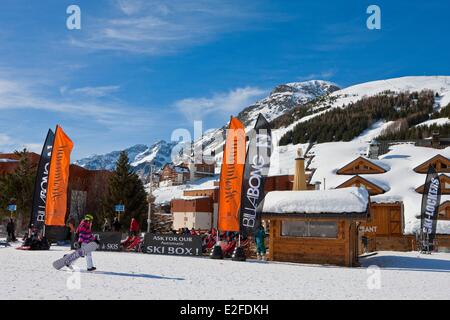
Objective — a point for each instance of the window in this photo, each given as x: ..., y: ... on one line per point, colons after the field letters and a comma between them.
x: 309, y: 229
x: 443, y: 166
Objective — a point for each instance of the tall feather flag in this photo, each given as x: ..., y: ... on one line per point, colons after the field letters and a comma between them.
x: 231, y: 176
x: 58, y: 180
x: 37, y: 217
x: 430, y: 205
x: 257, y: 166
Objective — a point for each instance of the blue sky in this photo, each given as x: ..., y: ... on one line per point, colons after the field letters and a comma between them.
x: 139, y: 69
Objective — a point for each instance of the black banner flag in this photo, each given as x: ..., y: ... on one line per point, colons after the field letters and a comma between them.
x: 430, y: 205
x: 37, y: 218
x: 256, y: 169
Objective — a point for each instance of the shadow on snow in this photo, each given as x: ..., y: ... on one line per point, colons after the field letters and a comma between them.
x: 407, y: 263
x: 132, y: 275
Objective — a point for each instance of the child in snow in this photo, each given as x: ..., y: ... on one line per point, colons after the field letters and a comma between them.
x: 85, y: 236
x: 260, y: 236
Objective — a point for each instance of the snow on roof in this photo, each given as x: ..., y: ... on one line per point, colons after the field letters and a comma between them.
x: 192, y: 198
x: 400, y: 181
x: 381, y: 164
x: 8, y: 160
x: 379, y: 182
x: 204, y: 187
x: 346, y: 200
x: 179, y: 169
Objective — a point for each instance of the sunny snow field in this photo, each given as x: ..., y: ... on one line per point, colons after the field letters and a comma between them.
x: 30, y: 275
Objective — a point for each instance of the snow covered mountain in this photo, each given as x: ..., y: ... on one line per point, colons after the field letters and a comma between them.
x: 285, y: 97
x: 108, y: 161
x: 282, y: 100
x: 344, y: 97
x: 141, y: 158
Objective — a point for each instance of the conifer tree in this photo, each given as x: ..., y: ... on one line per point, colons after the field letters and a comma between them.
x: 126, y: 188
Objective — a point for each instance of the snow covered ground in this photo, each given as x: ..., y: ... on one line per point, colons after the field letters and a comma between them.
x: 30, y: 275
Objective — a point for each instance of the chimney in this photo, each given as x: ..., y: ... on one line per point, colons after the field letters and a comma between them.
x: 299, y: 176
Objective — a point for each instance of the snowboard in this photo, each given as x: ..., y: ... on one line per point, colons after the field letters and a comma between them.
x: 70, y: 258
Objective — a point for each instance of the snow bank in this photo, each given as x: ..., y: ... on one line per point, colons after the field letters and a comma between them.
x: 346, y: 200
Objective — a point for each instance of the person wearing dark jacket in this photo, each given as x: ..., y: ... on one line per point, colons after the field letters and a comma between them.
x: 116, y: 225
x: 11, y: 229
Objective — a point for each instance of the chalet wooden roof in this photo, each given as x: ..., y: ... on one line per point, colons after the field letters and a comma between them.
x: 343, y: 203
x: 377, y: 168
x: 377, y: 189
x: 444, y: 204
x: 423, y: 168
x: 443, y: 178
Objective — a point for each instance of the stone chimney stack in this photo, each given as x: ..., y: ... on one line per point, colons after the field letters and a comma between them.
x: 374, y: 150
x: 299, y: 175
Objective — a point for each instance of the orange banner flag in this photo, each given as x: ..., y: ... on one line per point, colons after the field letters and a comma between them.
x: 230, y: 185
x: 58, y: 179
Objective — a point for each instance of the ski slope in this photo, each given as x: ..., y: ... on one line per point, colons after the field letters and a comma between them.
x: 30, y: 275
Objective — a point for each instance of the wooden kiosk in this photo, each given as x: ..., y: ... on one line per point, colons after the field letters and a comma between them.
x: 319, y: 226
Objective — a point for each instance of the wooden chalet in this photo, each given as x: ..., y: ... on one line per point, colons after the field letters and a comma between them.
x: 358, y: 181
x: 384, y: 229
x: 445, y: 185
x: 444, y: 211
x: 200, y: 170
x: 440, y: 163
x: 319, y: 226
x: 361, y: 165
x: 173, y: 174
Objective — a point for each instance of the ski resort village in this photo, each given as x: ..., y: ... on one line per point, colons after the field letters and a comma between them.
x: 313, y: 192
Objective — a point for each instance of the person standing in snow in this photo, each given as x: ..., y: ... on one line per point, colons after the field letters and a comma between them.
x: 11, y: 229
x: 134, y: 227
x: 85, y: 236
x: 116, y: 225
x: 260, y: 236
